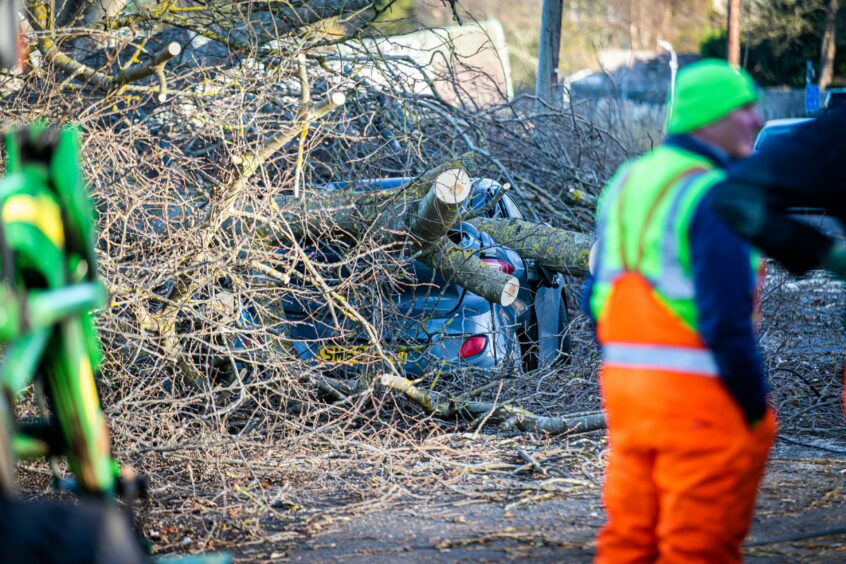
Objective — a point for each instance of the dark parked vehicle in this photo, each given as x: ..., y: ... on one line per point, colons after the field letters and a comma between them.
x: 434, y: 325
x: 776, y: 129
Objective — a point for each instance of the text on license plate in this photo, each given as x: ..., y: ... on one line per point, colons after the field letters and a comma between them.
x: 359, y: 354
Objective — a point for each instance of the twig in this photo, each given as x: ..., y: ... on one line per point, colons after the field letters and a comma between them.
x: 530, y: 462
x: 149, y: 67
x: 809, y: 445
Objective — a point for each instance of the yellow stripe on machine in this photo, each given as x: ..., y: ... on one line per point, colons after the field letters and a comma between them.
x: 87, y: 388
x: 42, y: 212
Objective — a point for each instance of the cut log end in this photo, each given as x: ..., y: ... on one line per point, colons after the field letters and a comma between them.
x: 510, y: 291
x: 452, y: 186
x: 174, y: 49
x: 337, y: 99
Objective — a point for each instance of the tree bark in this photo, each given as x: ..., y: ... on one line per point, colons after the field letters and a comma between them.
x: 385, y: 214
x: 556, y: 249
x: 292, y: 19
x: 733, y: 33
x: 828, y: 47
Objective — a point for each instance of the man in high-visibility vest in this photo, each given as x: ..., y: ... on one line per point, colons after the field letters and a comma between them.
x: 689, y: 429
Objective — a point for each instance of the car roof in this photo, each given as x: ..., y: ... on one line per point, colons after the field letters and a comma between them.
x: 775, y: 128
x: 785, y: 121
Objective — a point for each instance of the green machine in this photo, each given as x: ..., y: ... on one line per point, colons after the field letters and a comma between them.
x: 48, y: 288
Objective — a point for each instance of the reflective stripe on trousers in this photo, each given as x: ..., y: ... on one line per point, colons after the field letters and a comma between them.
x: 660, y: 357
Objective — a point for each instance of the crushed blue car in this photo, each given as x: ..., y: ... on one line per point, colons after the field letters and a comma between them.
x: 435, y: 325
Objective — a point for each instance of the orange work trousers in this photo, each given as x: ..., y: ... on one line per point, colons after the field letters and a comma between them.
x: 683, y: 468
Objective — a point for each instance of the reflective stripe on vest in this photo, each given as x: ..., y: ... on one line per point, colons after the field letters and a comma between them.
x: 604, y: 274
x: 672, y: 282
x: 660, y: 357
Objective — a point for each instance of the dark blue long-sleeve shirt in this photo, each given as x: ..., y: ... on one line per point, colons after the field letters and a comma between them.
x: 724, y: 282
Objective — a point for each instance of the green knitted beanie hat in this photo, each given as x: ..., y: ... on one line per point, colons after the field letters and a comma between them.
x: 706, y: 92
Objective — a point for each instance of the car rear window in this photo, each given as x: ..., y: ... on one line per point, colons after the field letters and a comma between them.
x: 771, y: 134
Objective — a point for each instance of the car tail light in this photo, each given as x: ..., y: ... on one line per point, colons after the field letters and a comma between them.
x: 473, y: 346
x: 499, y: 264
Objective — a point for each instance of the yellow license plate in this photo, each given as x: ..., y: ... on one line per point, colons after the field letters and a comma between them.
x: 359, y: 354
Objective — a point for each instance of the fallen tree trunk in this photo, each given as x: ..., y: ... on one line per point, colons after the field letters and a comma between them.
x: 385, y: 214
x: 391, y: 216
x: 465, y: 268
x: 507, y: 416
x: 556, y: 249
x: 436, y: 215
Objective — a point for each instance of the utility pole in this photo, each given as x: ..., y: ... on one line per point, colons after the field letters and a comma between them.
x: 733, y: 33
x: 828, y: 47
x: 674, y: 69
x: 546, y: 86
x: 8, y: 34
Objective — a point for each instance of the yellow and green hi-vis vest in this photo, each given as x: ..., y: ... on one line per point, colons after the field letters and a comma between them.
x: 643, y: 220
